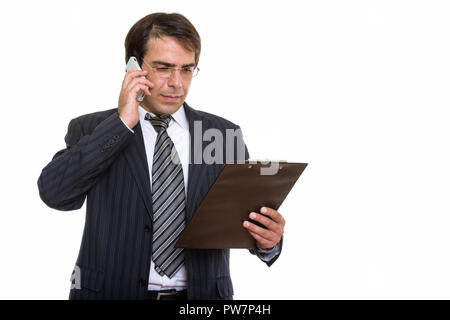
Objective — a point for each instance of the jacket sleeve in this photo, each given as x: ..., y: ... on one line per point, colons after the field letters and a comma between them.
x: 65, y: 181
x: 268, y: 256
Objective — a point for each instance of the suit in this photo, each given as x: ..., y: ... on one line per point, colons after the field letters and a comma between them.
x: 105, y: 163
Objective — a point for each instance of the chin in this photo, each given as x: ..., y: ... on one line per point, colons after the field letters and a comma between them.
x: 165, y: 107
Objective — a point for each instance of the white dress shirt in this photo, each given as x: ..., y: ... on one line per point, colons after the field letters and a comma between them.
x: 178, y: 131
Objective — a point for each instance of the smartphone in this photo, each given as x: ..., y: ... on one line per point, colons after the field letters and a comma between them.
x: 133, y: 63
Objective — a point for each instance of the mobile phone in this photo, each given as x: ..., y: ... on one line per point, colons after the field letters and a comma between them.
x: 133, y: 63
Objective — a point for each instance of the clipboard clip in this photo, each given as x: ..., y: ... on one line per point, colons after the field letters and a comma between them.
x: 268, y: 167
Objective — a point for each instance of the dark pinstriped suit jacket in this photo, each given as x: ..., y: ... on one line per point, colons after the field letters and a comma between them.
x: 106, y: 162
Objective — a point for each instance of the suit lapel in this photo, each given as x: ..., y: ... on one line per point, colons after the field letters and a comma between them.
x: 194, y: 169
x: 137, y: 158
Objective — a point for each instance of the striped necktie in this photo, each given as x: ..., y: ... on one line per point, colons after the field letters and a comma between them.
x: 168, y: 200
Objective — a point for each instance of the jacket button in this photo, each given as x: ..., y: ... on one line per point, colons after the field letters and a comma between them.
x: 147, y: 228
x: 142, y: 282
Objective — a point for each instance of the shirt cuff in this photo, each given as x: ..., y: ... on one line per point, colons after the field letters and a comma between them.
x: 268, y: 254
x: 126, y: 125
x: 266, y: 250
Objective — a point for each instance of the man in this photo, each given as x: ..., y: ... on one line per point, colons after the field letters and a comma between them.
x: 138, y: 198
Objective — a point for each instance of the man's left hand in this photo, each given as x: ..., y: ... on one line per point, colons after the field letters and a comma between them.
x: 266, y: 238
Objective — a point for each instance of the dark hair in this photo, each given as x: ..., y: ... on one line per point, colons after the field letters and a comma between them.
x: 157, y: 25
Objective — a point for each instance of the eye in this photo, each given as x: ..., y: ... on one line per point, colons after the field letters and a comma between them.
x: 162, y: 69
x: 187, y: 70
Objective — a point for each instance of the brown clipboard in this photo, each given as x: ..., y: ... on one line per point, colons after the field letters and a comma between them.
x: 238, y: 190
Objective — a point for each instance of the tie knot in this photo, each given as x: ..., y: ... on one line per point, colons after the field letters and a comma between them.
x: 159, y: 122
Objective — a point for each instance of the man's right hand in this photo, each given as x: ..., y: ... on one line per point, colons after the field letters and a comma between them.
x: 128, y: 104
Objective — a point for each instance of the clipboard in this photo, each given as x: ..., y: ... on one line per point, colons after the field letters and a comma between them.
x: 239, y: 189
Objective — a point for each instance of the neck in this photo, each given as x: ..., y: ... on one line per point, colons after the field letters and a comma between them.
x: 149, y: 108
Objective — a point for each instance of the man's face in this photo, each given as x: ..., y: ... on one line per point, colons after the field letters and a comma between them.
x: 168, y: 94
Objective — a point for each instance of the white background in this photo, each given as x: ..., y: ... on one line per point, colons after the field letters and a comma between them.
x: 358, y: 89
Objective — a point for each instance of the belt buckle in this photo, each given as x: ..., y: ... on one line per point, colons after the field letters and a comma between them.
x: 160, y: 294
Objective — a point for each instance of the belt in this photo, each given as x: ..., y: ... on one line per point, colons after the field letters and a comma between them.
x: 170, y: 294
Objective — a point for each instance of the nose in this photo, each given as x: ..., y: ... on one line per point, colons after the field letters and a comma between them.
x: 175, y: 79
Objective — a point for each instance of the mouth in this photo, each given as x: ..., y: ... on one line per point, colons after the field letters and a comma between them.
x: 170, y: 98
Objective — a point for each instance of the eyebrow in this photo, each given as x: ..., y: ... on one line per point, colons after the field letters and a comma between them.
x: 167, y: 64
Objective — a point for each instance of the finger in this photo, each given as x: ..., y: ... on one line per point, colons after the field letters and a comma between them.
x: 144, y: 81
x: 267, y: 222
x: 131, y: 75
x: 274, y: 214
x: 128, y: 77
x: 139, y: 82
x: 267, y: 234
x: 135, y: 89
x: 131, y: 82
x: 262, y: 242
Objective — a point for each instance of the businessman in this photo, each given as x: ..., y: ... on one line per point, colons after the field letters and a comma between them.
x: 135, y: 166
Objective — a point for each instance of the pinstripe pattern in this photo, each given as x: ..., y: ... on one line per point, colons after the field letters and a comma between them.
x: 105, y: 164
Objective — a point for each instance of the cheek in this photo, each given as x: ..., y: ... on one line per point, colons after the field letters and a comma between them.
x: 186, y: 88
x: 158, y: 86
